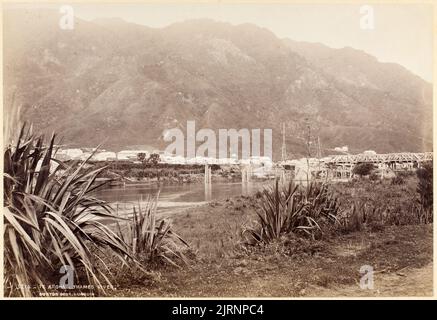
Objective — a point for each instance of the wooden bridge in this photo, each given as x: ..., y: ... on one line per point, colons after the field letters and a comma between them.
x: 341, y: 166
x: 402, y: 157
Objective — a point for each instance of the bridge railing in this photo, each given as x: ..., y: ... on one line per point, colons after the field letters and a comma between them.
x: 381, y: 158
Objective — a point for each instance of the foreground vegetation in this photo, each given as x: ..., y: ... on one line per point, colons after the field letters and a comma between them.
x: 53, y: 223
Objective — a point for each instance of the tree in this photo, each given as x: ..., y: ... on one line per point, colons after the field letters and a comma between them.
x: 363, y: 169
x: 154, y: 159
x: 141, y: 156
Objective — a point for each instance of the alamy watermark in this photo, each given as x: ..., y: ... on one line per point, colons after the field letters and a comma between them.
x: 67, y: 280
x: 186, y: 144
x: 66, y: 22
x: 367, y: 20
x: 367, y: 280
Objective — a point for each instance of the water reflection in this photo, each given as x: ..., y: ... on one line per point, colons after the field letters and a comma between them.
x: 179, y: 193
x: 208, y: 191
x: 247, y: 188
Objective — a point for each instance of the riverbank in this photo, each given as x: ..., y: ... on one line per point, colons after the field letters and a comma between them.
x: 400, y: 253
x: 297, y: 268
x: 129, y: 172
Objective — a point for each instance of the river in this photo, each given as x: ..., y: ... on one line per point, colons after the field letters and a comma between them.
x: 172, y: 197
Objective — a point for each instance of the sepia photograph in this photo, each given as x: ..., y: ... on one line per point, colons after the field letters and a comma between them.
x: 217, y: 150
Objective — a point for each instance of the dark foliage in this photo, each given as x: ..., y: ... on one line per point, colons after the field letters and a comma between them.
x: 363, y: 169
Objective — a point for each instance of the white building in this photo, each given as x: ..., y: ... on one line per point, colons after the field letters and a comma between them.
x: 344, y: 149
x: 369, y: 152
x: 201, y: 160
x: 260, y: 161
x: 179, y: 160
x: 211, y: 160
x: 131, y: 155
x: 73, y: 153
x: 191, y: 160
x: 173, y: 159
x: 227, y: 161
x: 105, y: 156
x: 68, y: 154
x: 245, y: 161
x: 263, y: 172
x: 84, y: 156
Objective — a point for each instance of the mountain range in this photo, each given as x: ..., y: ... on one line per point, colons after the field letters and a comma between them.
x: 122, y: 84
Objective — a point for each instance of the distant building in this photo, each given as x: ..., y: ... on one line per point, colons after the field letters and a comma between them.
x: 369, y: 152
x: 344, y: 149
x: 74, y: 153
x: 227, y: 161
x: 104, y: 156
x: 179, y: 160
x: 173, y: 159
x: 131, y: 155
x: 191, y: 160
x: 68, y: 154
x: 263, y: 172
x: 262, y: 161
x: 223, y: 161
x: 201, y: 160
x: 245, y: 161
x: 84, y: 156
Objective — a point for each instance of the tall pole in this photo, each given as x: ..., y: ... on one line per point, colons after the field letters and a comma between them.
x: 284, y: 148
x: 207, y: 174
x: 319, y: 148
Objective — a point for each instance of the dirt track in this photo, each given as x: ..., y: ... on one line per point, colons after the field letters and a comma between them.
x: 417, y: 282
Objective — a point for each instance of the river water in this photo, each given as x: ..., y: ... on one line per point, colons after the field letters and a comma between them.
x: 172, y: 197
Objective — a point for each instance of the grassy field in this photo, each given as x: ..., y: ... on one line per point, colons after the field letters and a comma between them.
x: 400, y: 253
x: 288, y: 268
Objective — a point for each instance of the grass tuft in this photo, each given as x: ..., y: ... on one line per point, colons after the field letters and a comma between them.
x: 152, y: 240
x: 293, y: 209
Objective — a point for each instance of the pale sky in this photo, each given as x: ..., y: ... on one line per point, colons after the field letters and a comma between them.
x: 403, y: 33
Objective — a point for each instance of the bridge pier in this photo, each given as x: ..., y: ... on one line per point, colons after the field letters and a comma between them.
x: 207, y: 174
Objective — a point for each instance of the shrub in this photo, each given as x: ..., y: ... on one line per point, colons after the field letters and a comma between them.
x: 153, y: 159
x: 398, y: 180
x: 354, y: 221
x: 51, y: 218
x: 152, y: 240
x: 363, y: 169
x: 402, y: 177
x: 425, y: 190
x: 293, y: 210
x: 399, y: 203
x: 141, y: 156
x: 362, y: 214
x: 215, y: 167
x: 405, y: 174
x: 374, y: 176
